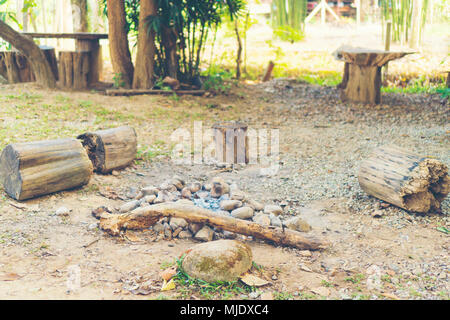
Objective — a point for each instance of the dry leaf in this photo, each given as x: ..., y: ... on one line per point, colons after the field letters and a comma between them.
x: 253, y: 281
x: 169, y: 273
x: 168, y: 285
x: 9, y: 276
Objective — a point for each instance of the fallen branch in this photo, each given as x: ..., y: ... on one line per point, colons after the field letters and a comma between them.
x: 143, y: 218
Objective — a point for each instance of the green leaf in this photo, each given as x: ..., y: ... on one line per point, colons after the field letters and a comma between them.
x: 443, y: 229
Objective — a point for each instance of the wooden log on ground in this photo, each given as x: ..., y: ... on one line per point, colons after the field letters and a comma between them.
x: 110, y: 149
x: 74, y: 69
x: 231, y: 142
x: 144, y: 217
x: 407, y: 180
x: 136, y: 92
x: 33, y: 169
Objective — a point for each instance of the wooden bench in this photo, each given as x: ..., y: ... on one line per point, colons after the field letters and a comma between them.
x: 361, y: 82
x: 84, y: 42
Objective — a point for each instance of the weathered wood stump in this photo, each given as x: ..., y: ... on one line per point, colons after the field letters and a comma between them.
x: 402, y: 178
x: 16, y: 68
x: 362, y: 73
x: 74, y: 69
x: 231, y: 142
x: 110, y: 149
x: 33, y: 169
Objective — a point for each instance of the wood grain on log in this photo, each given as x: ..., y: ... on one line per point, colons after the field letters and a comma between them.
x: 110, y: 149
x: 362, y: 84
x: 144, y: 217
x: 28, y: 170
x: 405, y: 179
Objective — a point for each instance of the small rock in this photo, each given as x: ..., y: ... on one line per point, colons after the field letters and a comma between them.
x: 186, y: 193
x: 129, y: 206
x: 253, y: 295
x: 229, y: 235
x: 255, y: 205
x: 202, y: 195
x: 149, y: 190
x: 377, y: 213
x: 177, y: 182
x: 195, y: 186
x: 207, y: 187
x: 62, y: 211
x: 185, y: 234
x: 321, y: 291
x: 273, y: 209
x: 230, y: 205
x: 297, y: 224
x: 93, y: 226
x: 195, y: 227
x: 242, y: 213
x: 177, y: 223
x: 167, y: 186
x: 167, y: 231
x: 262, y: 219
x: 149, y: 198
x: 158, y: 227
x: 115, y: 173
x: 131, y: 193
x: 205, y: 234
x: 216, y: 190
x: 305, y: 253
x: 163, y: 196
x: 275, y: 221
x: 237, y: 194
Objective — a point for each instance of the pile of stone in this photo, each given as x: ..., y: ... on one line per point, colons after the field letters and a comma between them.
x: 218, y: 196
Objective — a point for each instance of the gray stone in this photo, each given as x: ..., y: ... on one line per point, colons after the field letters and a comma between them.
x: 205, y: 234
x: 186, y: 193
x: 129, y: 206
x: 262, y: 219
x: 158, y: 227
x: 297, y: 224
x: 149, y: 198
x: 230, y: 205
x: 255, y: 205
x: 195, y: 186
x: 221, y: 260
x: 185, y: 234
x: 168, y: 186
x: 217, y: 190
x: 273, y: 209
x: 62, y: 211
x: 275, y: 221
x: 149, y: 190
x: 236, y: 194
x: 195, y: 227
x: 177, y: 223
x: 242, y: 213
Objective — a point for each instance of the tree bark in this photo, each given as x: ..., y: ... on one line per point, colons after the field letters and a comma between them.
x: 110, y: 149
x: 28, y: 170
x: 74, y: 69
x: 405, y: 179
x: 145, y: 59
x: 145, y: 217
x: 118, y: 42
x: 41, y: 68
x: 80, y: 15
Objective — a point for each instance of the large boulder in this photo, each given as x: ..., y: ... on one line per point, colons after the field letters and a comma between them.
x: 221, y: 260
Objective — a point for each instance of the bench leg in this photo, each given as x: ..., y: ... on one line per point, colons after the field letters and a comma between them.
x: 96, y: 63
x: 363, y: 84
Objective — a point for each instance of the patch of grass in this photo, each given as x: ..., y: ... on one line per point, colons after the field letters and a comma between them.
x: 356, y: 279
x: 325, y: 283
x: 282, y: 296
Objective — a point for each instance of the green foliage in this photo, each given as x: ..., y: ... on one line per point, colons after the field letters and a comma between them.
x: 118, y: 80
x: 217, y: 80
x: 288, y: 19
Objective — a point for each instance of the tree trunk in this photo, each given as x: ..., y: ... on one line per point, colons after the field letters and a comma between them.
x: 118, y: 42
x: 405, y: 179
x: 169, y: 41
x: 80, y: 15
x: 110, y: 149
x: 145, y: 217
x: 41, y: 67
x: 363, y: 84
x: 145, y: 59
x: 28, y: 170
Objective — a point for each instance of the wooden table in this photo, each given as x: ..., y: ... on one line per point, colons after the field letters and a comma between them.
x: 362, y: 73
x: 83, y: 42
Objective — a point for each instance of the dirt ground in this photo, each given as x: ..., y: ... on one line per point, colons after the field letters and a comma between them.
x: 400, y: 255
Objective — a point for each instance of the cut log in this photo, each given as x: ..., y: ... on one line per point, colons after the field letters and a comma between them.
x: 74, y: 69
x: 144, y: 217
x: 110, y: 149
x: 363, y: 84
x: 33, y: 169
x: 231, y: 142
x: 268, y: 73
x: 407, y: 180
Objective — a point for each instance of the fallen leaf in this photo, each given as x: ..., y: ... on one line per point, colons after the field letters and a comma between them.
x: 9, y: 277
x: 169, y: 273
x: 253, y: 281
x: 168, y: 285
x: 18, y: 205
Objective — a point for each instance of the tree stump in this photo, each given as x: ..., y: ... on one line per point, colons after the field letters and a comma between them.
x: 74, y: 69
x: 110, y: 149
x: 405, y: 179
x: 33, y: 169
x: 362, y: 73
x: 50, y: 55
x: 231, y: 142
